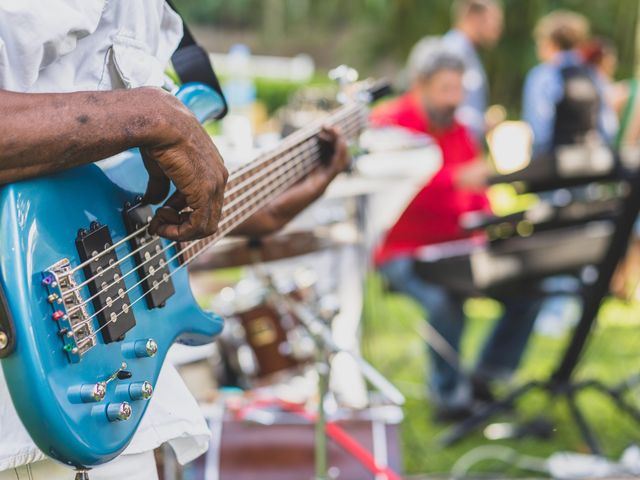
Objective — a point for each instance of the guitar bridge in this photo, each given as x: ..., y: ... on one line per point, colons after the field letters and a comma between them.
x: 68, y: 310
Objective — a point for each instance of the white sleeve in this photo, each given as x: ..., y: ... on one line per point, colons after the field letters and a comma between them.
x: 35, y: 33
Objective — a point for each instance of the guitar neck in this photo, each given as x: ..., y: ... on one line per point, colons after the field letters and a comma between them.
x: 253, y: 186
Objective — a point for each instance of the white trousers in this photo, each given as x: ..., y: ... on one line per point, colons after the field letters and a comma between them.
x: 141, y: 466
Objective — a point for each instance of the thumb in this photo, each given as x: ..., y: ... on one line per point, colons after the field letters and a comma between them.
x: 159, y: 184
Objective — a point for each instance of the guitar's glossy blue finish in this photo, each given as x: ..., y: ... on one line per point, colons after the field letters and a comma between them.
x: 204, y: 102
x: 39, y: 223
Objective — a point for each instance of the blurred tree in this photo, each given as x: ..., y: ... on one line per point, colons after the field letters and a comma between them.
x: 376, y: 35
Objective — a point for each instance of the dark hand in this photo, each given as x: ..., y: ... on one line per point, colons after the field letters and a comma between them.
x: 289, y: 204
x: 340, y: 159
x: 185, y: 155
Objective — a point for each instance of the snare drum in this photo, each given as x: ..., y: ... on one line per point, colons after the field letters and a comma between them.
x: 262, y: 338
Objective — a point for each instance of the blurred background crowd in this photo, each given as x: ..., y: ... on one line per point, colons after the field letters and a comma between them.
x: 376, y: 36
x: 518, y: 82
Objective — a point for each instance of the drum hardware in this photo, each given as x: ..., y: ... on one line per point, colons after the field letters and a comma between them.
x: 299, y: 306
x: 326, y: 348
x: 263, y: 340
x: 314, y: 321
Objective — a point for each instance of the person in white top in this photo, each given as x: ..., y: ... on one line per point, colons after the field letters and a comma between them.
x: 78, y: 83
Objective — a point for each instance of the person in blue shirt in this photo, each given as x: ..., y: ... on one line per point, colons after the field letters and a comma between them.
x: 558, y: 35
x: 562, y: 112
x: 477, y: 24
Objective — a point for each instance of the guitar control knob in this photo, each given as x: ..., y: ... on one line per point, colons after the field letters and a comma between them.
x: 93, y: 393
x: 145, y: 348
x: 140, y: 391
x: 118, y: 412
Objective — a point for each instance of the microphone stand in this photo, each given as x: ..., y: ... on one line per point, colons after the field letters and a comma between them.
x: 326, y: 348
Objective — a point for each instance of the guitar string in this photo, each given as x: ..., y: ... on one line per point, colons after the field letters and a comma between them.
x: 279, y: 163
x: 315, y: 127
x: 282, y: 185
x: 263, y: 194
x: 273, y: 168
x: 306, y: 151
x: 350, y: 129
x: 265, y: 181
x: 290, y: 140
x: 88, y: 319
x: 234, y: 189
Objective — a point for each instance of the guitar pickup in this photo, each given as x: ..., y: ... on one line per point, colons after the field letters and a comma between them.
x: 107, y: 287
x: 150, y: 257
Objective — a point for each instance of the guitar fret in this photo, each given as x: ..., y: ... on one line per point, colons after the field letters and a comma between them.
x: 251, y: 186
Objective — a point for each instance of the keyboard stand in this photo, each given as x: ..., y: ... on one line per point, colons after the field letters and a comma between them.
x: 562, y: 383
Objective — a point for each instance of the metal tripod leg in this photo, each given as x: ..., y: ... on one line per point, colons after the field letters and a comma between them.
x: 583, y: 425
x: 617, y: 394
x: 461, y: 430
x: 321, y: 453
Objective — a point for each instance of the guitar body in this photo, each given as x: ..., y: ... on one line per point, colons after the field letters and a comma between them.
x: 52, y: 386
x: 90, y: 302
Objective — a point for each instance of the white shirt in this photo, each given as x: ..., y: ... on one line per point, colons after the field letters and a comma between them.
x: 74, y: 45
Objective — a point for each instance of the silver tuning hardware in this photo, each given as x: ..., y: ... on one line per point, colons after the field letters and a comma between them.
x: 82, y: 475
x: 344, y: 76
x: 118, y: 412
x: 93, y: 393
x: 140, y: 391
x: 145, y: 348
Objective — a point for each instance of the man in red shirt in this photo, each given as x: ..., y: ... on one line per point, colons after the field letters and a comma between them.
x: 433, y: 217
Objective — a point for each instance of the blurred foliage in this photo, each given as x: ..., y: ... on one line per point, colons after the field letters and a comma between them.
x: 275, y: 93
x: 391, y: 343
x: 376, y: 35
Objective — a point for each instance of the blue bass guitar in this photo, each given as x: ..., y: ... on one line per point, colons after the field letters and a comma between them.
x: 91, y: 303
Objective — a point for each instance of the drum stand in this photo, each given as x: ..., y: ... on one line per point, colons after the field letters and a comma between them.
x: 561, y: 382
x: 326, y: 348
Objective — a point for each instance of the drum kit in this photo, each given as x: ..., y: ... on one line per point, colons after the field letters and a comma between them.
x: 278, y: 329
x: 264, y: 342
x: 322, y: 254
x: 285, y: 323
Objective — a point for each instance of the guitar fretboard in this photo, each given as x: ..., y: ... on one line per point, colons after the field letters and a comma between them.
x: 253, y: 186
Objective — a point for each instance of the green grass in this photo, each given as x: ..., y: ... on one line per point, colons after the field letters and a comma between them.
x: 392, y: 345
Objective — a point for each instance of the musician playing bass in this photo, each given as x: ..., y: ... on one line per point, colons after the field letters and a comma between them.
x: 432, y: 217
x: 81, y: 80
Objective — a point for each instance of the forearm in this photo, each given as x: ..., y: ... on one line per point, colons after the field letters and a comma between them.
x: 287, y: 206
x: 45, y: 133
